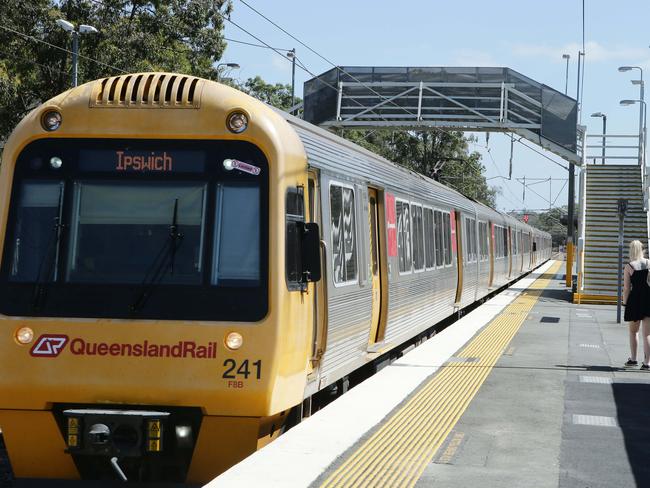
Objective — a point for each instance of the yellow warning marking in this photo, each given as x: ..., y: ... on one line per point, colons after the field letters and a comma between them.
x: 73, y: 441
x: 452, y: 448
x: 154, y: 428
x: 153, y: 445
x: 403, y: 446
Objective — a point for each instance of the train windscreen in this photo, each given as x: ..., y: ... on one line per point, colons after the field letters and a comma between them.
x: 138, y: 228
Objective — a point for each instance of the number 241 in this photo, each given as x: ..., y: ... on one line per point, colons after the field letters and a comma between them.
x: 244, y: 369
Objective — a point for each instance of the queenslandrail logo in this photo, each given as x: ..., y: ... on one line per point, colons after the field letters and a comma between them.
x: 51, y: 345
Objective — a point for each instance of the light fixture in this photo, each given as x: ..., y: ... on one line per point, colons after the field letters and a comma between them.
x: 598, y: 114
x: 627, y: 102
x: 623, y: 69
x: 87, y: 29
x: 24, y: 335
x: 65, y: 25
x: 237, y: 122
x: 234, y: 340
x: 51, y: 120
x: 56, y: 162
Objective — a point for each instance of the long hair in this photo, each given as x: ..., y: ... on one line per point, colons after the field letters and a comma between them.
x: 636, y: 250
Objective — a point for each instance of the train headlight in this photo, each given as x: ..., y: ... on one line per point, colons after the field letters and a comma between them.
x: 234, y: 340
x: 51, y: 120
x: 56, y: 162
x: 24, y: 335
x: 237, y: 122
x: 184, y: 436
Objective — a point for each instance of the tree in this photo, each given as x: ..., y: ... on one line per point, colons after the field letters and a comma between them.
x: 441, y: 155
x: 184, y: 36
x: 550, y: 222
x: 277, y: 95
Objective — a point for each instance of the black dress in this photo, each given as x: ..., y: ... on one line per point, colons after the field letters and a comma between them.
x: 638, y: 302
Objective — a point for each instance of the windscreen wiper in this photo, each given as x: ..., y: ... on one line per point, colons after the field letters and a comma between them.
x: 156, y: 270
x: 49, y: 263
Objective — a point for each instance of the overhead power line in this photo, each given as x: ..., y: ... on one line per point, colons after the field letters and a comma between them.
x: 36, y: 39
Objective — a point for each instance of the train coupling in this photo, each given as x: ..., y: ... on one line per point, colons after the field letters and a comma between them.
x: 114, y: 433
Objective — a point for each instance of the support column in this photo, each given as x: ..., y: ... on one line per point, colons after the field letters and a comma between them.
x: 570, y: 242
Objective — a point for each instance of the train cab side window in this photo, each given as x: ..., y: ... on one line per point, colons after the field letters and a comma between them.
x: 35, y: 247
x: 447, y: 224
x: 429, y: 237
x: 237, y: 236
x: 344, y: 231
x: 418, y: 238
x: 403, y: 211
x: 295, y: 212
x: 440, y: 237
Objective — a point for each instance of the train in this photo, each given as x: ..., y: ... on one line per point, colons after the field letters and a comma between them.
x: 184, y: 267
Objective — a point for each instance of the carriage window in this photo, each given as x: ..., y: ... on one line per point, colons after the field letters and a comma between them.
x: 418, y: 238
x: 505, y: 241
x: 482, y: 236
x: 35, y: 249
x: 429, y: 236
x: 470, y: 231
x: 122, y: 232
x: 403, y: 236
x: 440, y: 237
x: 343, y: 229
x: 447, y: 222
x: 295, y: 212
x: 237, y: 236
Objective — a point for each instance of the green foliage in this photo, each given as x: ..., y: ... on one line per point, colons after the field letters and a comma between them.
x: 277, y: 95
x: 550, y: 222
x: 441, y: 155
x: 184, y: 36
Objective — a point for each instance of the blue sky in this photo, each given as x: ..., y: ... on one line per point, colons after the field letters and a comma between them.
x: 528, y: 36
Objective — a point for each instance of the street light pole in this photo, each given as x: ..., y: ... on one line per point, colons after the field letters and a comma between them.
x: 566, y: 76
x: 229, y: 65
x: 292, y: 56
x: 604, y: 117
x: 642, y: 141
x: 642, y: 129
x: 83, y: 29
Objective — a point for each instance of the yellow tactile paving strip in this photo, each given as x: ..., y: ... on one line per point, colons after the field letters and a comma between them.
x: 397, y: 454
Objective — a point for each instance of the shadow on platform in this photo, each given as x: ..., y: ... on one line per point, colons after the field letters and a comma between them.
x: 633, y: 416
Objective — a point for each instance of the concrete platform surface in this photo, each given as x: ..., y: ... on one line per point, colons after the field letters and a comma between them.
x: 556, y: 409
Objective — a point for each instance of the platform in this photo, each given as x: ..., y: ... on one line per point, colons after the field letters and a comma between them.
x: 527, y: 390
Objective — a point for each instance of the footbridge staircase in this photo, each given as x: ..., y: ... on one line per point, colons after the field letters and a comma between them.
x: 602, y: 186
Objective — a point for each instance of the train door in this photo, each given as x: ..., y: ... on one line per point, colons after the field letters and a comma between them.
x: 378, y: 268
x: 320, y: 288
x: 456, y: 224
x: 510, y: 248
x: 491, y: 251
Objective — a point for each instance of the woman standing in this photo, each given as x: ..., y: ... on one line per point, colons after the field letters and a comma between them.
x: 636, y: 296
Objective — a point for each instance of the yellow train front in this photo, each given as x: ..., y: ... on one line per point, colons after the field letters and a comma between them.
x: 144, y: 336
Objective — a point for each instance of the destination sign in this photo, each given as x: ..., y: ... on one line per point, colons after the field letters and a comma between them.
x: 141, y: 161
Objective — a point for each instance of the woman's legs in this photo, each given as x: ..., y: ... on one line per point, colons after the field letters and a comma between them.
x: 634, y: 329
x: 646, y: 345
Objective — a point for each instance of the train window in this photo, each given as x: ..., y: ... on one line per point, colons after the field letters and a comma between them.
x: 498, y: 242
x: 403, y: 236
x: 440, y: 247
x: 418, y: 238
x: 447, y: 222
x: 35, y: 243
x: 115, y: 226
x: 470, y: 228
x: 237, y: 235
x: 343, y: 228
x: 295, y: 212
x: 481, y: 250
x: 429, y: 237
x: 505, y: 241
